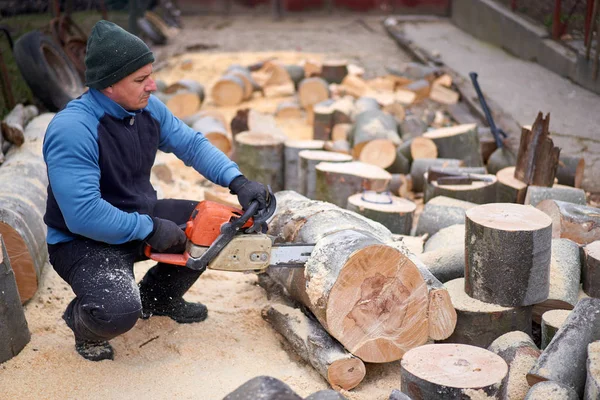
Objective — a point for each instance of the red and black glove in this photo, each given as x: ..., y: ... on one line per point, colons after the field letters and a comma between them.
x: 248, y: 191
x: 166, y: 235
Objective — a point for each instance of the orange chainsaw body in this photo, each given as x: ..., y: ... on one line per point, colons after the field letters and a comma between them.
x: 204, y: 225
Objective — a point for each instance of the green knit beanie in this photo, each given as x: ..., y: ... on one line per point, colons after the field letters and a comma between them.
x: 112, y: 54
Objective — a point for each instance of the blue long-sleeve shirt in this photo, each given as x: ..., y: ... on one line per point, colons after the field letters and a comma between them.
x: 99, y: 157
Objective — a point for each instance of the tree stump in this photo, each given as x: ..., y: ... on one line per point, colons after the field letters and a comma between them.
x: 216, y: 132
x: 550, y: 390
x: 312, y: 91
x: 14, y: 332
x: 520, y: 353
x: 509, y: 189
x: 536, y: 194
x: 477, y: 191
x: 13, y: 125
x: 393, y: 212
x: 371, y: 125
x: 570, y: 170
x: 338, y: 181
x: 420, y: 166
x: 552, y: 320
x: 447, y: 263
x: 260, y: 158
x: 579, y: 223
x: 292, y: 176
x: 441, y: 212
x: 592, y: 383
x: 184, y: 97
x: 459, y: 142
x: 307, y: 173
x: 334, y: 71
x: 479, y: 323
x: 591, y: 269
x: 498, y: 237
x: 228, y: 91
x: 311, y: 342
x: 452, y: 371
x: 450, y: 236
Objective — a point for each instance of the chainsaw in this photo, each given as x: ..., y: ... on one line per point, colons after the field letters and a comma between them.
x: 226, y: 238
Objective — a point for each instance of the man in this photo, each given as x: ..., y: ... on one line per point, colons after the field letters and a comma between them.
x: 102, y: 209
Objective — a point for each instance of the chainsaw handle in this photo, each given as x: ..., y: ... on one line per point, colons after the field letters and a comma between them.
x: 167, y: 258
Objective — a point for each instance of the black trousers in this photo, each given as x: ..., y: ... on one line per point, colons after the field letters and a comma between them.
x: 107, y: 299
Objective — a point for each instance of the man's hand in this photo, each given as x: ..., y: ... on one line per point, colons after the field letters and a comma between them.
x: 249, y: 191
x: 165, y: 235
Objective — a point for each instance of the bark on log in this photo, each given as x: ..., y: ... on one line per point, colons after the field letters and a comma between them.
x: 354, y: 283
x: 402, y: 161
x: 263, y: 387
x: 591, y: 269
x: 452, y: 371
x: 414, y: 244
x: 398, y: 395
x: 478, y: 192
x: 552, y: 321
x: 520, y: 353
x: 312, y: 91
x: 537, y: 159
x: 551, y: 391
x: 326, y: 395
x: 363, y: 104
x: 535, y: 194
x: 420, y: 166
x: 307, y: 173
x: 480, y: 323
x: 296, y: 73
x: 341, y: 132
x: 184, y: 97
x: 570, y: 170
x: 14, y: 332
x: 292, y: 149
x: 313, y: 344
x: 509, y: 189
x: 244, y: 74
x: 260, y: 158
x: 434, y: 173
x: 13, y: 125
x: 323, y: 120
x: 229, y: 90
x: 592, y: 384
x: 216, y: 114
x: 401, y: 185
x: 288, y: 109
x: 371, y: 125
x: 579, y: 223
x: 460, y: 142
x: 338, y: 181
x: 446, y: 263
x: 334, y: 71
x: 393, y: 212
x: 500, y: 159
x: 565, y: 273
x: 498, y: 237
x: 450, y: 236
x: 216, y: 132
x: 22, y: 207
x: 441, y: 212
x: 581, y: 328
x: 239, y: 123
x: 412, y: 126
x: 339, y: 146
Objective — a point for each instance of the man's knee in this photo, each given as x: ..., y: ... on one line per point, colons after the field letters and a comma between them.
x: 108, y: 319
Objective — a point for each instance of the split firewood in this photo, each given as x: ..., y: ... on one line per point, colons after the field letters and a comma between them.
x: 443, y: 80
x: 396, y: 110
x: 551, y: 390
x: 552, y: 321
x: 312, y: 91
x: 591, y: 269
x: 263, y: 387
x: 338, y: 146
x: 13, y: 125
x: 420, y: 88
x: 14, y: 332
x: 450, y: 236
x: 581, y: 328
x: 338, y: 181
x: 405, y: 97
x: 565, y: 273
x: 510, y: 189
x: 367, y: 326
x: 288, y: 109
x: 334, y: 71
x: 229, y: 90
x: 356, y: 70
x: 592, y: 383
x: 189, y: 121
x: 443, y: 95
x: 498, y: 237
x: 260, y: 158
x: 441, y: 212
x: 183, y: 98
x: 480, y: 323
x: 537, y: 159
x: 535, y: 194
x: 579, y: 223
x: 354, y: 86
x: 395, y: 213
x: 501, y: 158
x: 446, y: 263
x: 313, y: 344
x: 461, y: 142
x: 570, y: 170
x: 456, y: 371
x: 382, y: 83
x: 520, y: 353
x: 420, y: 166
x: 292, y: 149
x: 401, y: 185
x: 475, y: 188
x: 215, y: 131
x: 307, y: 174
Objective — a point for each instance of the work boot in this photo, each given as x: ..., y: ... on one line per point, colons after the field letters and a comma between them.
x: 94, y: 350
x: 179, y: 310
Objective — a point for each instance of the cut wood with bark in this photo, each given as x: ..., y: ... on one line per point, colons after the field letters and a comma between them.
x: 579, y: 223
x: 401, y: 185
x: 412, y: 126
x: 510, y: 189
x: 446, y: 263
x: 292, y: 149
x: 260, y: 158
x: 460, y: 142
x: 312, y: 67
x: 14, y: 332
x: 341, y: 132
x: 229, y: 90
x: 184, y: 97
x: 307, y: 174
x: 565, y: 357
x: 537, y: 159
x: 239, y: 123
x: 535, y: 194
x: 313, y: 344
x: 14, y: 123
x: 498, y: 237
x: 551, y: 390
x: 443, y: 95
x: 323, y: 120
x: 296, y: 73
x: 339, y: 146
x: 422, y: 147
x: 338, y: 181
x: 475, y: 188
x: 370, y: 125
x: 450, y: 236
x: 591, y: 269
x: 570, y: 170
x: 520, y: 353
x: 216, y: 132
x: 452, y: 371
x: 263, y: 387
x: 393, y: 212
x: 189, y: 121
x: 592, y: 383
x: 363, y: 104
x: 552, y: 321
x: 334, y: 71
x: 378, y: 152
x: 288, y: 109
x: 501, y: 158
x: 441, y: 212
x: 312, y: 91
x: 420, y: 166
x: 354, y: 283
x: 284, y: 90
x: 420, y: 88
x: 434, y: 173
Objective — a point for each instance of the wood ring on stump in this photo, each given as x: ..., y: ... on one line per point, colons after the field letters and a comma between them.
x: 312, y: 91
x: 393, y: 212
x: 379, y: 152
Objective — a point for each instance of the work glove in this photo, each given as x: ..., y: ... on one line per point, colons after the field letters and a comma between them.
x: 248, y: 191
x: 166, y: 235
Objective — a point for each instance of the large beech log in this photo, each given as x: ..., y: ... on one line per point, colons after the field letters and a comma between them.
x: 22, y: 207
x: 460, y: 142
x: 450, y: 236
x: 260, y: 158
x: 338, y: 181
x: 393, y: 212
x: 312, y: 91
x: 591, y: 269
x: 570, y: 170
x: 498, y: 237
x: 537, y: 159
x: 355, y: 284
x: 579, y: 223
x: 292, y: 151
x: 592, y: 383
x: 564, y: 358
x: 520, y: 353
x: 263, y: 387
x: 370, y: 125
x: 552, y: 321
x: 229, y: 90
x: 441, y: 212
x: 452, y: 371
x: 307, y: 173
x: 479, y: 323
x: 14, y: 333
x: 477, y: 191
x: 311, y: 342
x: 536, y: 194
x: 184, y: 97
x: 446, y: 263
x: 215, y: 131
x: 551, y: 390
x: 13, y: 125
x: 509, y: 189
x: 420, y: 166
x: 565, y: 273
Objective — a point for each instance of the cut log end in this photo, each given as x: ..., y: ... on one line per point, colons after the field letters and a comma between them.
x: 346, y: 374
x: 379, y: 152
x: 258, y: 139
x: 422, y: 147
x: 508, y: 217
x: 441, y: 313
